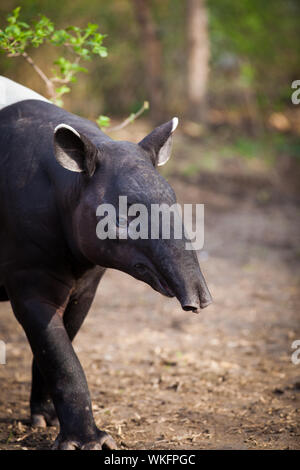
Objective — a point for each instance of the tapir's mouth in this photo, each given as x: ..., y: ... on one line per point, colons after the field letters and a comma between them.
x: 154, y: 279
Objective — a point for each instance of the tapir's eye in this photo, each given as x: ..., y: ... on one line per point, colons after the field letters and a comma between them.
x: 122, y: 222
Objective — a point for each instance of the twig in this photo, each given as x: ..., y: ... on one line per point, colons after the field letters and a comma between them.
x: 49, y: 84
x: 130, y: 118
x: 25, y: 436
x: 68, y: 77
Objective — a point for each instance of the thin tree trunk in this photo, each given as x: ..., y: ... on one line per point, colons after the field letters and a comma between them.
x: 198, y: 58
x: 152, y: 57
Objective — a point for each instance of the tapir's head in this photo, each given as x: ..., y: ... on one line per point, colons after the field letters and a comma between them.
x: 105, y: 234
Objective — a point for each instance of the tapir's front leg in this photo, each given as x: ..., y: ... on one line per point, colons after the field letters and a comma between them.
x: 42, y: 410
x: 41, y: 405
x: 40, y: 312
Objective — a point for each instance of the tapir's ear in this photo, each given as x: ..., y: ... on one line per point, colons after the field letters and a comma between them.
x: 159, y: 142
x: 74, y: 151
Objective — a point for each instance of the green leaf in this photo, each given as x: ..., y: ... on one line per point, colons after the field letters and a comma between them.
x: 103, y: 121
x: 132, y: 117
x: 24, y: 25
x: 62, y: 90
x: 14, y: 16
x: 91, y: 28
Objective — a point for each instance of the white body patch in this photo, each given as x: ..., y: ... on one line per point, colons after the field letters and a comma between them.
x: 12, y: 92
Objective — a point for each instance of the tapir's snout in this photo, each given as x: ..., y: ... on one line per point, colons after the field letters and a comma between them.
x: 195, y: 295
x: 198, y: 298
x: 176, y: 272
x: 178, y: 276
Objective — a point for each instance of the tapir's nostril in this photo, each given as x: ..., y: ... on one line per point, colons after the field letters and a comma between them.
x: 192, y: 308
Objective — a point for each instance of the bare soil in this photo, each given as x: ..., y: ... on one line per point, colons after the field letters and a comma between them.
x: 161, y: 378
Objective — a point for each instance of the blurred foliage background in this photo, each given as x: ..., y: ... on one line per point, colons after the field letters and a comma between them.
x: 224, y: 66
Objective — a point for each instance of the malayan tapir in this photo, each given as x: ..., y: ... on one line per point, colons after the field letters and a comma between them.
x: 55, y: 170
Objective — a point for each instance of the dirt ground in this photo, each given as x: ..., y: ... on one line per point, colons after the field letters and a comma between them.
x: 162, y: 378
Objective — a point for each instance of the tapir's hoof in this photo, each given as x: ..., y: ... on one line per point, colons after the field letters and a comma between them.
x: 42, y: 421
x: 102, y: 441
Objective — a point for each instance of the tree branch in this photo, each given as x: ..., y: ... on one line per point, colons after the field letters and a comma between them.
x: 47, y: 81
x: 130, y: 118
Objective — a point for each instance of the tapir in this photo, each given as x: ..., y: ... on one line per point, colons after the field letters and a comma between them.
x: 55, y: 170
